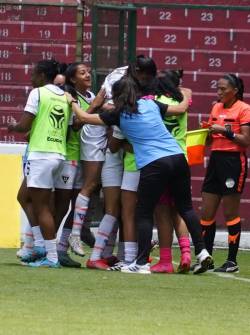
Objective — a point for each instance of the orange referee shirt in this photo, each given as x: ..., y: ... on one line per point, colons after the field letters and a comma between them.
x: 235, y: 116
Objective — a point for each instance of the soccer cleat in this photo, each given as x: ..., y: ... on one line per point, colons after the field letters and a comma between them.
x: 193, y: 266
x: 23, y: 252
x: 229, y: 267
x: 87, y: 236
x: 112, y: 260
x: 209, y: 269
x: 35, y: 254
x: 76, y: 245
x: 65, y: 260
x: 44, y: 263
x: 118, y: 266
x: 99, y: 264
x: 136, y: 268
x: 162, y: 268
x: 203, y: 262
x: 185, y: 263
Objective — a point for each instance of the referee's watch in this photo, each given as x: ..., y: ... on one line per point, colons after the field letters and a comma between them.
x: 230, y: 134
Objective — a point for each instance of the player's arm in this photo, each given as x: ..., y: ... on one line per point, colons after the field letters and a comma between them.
x: 115, y: 144
x: 183, y: 106
x: 89, y: 116
x: 170, y: 110
x: 116, y: 140
x: 24, y: 125
x: 128, y: 147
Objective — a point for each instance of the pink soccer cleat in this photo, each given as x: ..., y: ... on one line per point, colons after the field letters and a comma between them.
x: 162, y: 268
x: 185, y: 263
x: 99, y: 264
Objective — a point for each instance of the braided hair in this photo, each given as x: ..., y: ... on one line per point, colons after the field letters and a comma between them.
x: 50, y: 68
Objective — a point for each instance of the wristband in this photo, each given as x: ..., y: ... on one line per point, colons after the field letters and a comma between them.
x: 75, y: 101
x: 229, y: 134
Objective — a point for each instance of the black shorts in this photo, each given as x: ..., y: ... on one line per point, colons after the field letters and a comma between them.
x: 226, y: 173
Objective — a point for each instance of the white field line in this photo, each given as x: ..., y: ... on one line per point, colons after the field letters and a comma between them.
x: 230, y: 276
x: 223, y: 275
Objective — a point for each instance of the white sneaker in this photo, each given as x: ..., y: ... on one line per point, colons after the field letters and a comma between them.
x: 203, y: 262
x: 118, y: 266
x: 136, y: 268
x: 23, y: 252
x: 76, y: 245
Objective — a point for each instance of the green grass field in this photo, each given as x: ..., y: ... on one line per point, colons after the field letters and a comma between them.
x: 89, y: 302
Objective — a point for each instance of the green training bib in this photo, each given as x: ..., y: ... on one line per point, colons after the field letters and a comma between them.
x: 49, y: 128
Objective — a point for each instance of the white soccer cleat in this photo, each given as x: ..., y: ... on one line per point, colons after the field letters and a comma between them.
x: 21, y: 253
x: 136, y: 268
x: 118, y: 266
x: 203, y: 262
x: 76, y: 245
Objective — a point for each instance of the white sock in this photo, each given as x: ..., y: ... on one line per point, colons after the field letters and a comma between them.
x: 130, y: 251
x: 104, y: 230
x: 109, y: 248
x: 28, y: 238
x: 81, y: 208
x: 120, y: 252
x: 50, y: 246
x: 38, y: 237
x: 63, y: 244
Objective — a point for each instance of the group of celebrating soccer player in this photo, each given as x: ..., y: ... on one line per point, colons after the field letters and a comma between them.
x: 131, y: 138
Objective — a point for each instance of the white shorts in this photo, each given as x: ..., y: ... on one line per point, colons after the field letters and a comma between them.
x: 69, y: 176
x: 41, y: 173
x: 93, y: 143
x: 130, y: 181
x: 112, y: 169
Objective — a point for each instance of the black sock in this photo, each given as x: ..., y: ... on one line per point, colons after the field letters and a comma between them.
x: 233, y: 241
x: 208, y: 233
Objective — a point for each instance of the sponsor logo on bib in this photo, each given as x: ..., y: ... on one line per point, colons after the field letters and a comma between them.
x: 56, y: 117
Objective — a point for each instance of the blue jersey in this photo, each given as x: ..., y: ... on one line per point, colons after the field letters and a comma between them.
x: 147, y: 133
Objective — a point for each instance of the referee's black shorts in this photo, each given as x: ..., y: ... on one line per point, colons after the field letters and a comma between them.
x: 226, y: 173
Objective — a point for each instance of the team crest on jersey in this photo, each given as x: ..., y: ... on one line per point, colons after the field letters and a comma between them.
x: 81, y: 216
x: 230, y: 183
x: 65, y: 179
x: 56, y: 117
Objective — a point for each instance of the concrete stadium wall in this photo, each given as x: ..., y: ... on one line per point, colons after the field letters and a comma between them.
x: 12, y: 219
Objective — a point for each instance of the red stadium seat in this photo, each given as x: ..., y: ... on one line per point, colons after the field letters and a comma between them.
x: 11, y: 74
x: 37, y: 13
x: 13, y: 96
x: 62, y: 32
x: 28, y: 53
